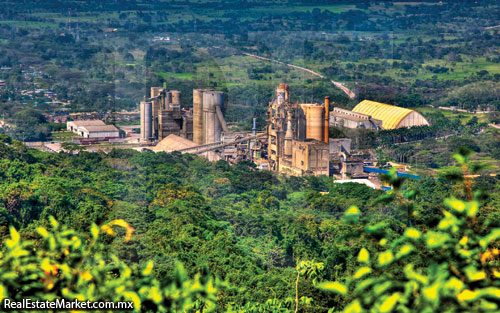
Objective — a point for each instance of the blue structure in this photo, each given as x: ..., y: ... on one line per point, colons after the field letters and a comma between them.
x: 369, y: 169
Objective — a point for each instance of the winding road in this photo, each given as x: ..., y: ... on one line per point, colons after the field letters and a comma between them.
x: 346, y: 90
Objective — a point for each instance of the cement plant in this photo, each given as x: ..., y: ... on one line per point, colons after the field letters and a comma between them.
x: 295, y: 140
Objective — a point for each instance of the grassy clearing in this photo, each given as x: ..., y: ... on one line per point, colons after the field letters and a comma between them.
x: 29, y: 24
x: 187, y: 76
x: 65, y: 135
x: 464, y: 117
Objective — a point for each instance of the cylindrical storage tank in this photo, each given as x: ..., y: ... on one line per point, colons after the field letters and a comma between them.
x: 212, y: 131
x: 209, y: 117
x: 198, y: 116
x: 176, y: 98
x: 168, y: 101
x: 155, y: 92
x: 146, y: 120
x: 219, y: 102
x: 314, y: 121
x: 326, y: 117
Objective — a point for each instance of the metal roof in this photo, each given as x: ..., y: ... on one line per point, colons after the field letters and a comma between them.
x: 97, y: 129
x: 87, y: 123
x: 390, y: 115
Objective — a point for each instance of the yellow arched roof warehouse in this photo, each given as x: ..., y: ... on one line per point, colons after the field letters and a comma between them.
x: 391, y: 116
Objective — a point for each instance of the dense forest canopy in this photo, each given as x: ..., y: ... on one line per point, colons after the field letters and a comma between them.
x: 248, y: 228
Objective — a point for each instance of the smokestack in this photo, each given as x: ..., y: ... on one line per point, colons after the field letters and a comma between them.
x: 254, y: 128
x: 327, y: 119
x: 288, y: 136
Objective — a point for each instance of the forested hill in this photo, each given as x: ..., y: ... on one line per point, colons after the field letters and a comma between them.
x: 247, y: 227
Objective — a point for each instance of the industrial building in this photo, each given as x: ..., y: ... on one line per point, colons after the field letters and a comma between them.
x: 72, y: 126
x: 161, y: 115
x: 106, y: 132
x: 297, y: 135
x: 95, y: 129
x: 173, y: 128
x: 349, y: 119
x: 375, y: 115
x: 296, y: 140
x: 208, y: 121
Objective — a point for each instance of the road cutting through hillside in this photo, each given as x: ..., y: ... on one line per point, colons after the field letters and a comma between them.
x: 346, y: 90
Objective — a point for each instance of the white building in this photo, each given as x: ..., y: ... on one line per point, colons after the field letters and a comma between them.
x: 104, y: 131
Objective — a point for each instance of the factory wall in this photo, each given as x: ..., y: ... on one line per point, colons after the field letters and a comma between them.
x: 104, y: 134
x: 311, y: 157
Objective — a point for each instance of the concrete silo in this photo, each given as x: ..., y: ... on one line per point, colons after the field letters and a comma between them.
x: 326, y: 116
x: 198, y: 116
x: 156, y: 107
x: 175, y: 98
x: 210, y: 121
x: 168, y: 101
x: 314, y: 121
x: 146, y: 121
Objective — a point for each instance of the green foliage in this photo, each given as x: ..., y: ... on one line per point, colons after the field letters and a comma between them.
x: 67, y: 264
x: 452, y: 267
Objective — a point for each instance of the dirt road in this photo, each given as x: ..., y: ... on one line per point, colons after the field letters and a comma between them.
x: 346, y: 90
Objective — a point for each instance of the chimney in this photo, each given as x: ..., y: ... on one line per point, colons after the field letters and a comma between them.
x: 327, y: 119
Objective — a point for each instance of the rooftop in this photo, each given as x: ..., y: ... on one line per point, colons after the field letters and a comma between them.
x: 390, y: 115
x: 87, y: 123
x: 99, y: 128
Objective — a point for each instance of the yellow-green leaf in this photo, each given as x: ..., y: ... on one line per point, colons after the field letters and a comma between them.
x: 454, y: 284
x: 473, y: 274
x: 381, y: 288
x: 436, y: 239
x: 411, y: 274
x: 491, y: 291
x: 14, y: 235
x: 94, y: 229
x: 53, y: 222
x: 385, y: 258
x: 43, y: 232
x: 405, y: 250
x: 132, y: 296
x: 431, y: 292
x: 412, y: 233
x: 148, y: 269
x: 362, y: 272
x: 334, y: 286
x: 467, y: 295
x: 364, y: 256
x: 389, y: 303
x: 472, y: 208
x: 354, y: 307
x: 2, y: 293
x: 455, y: 204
